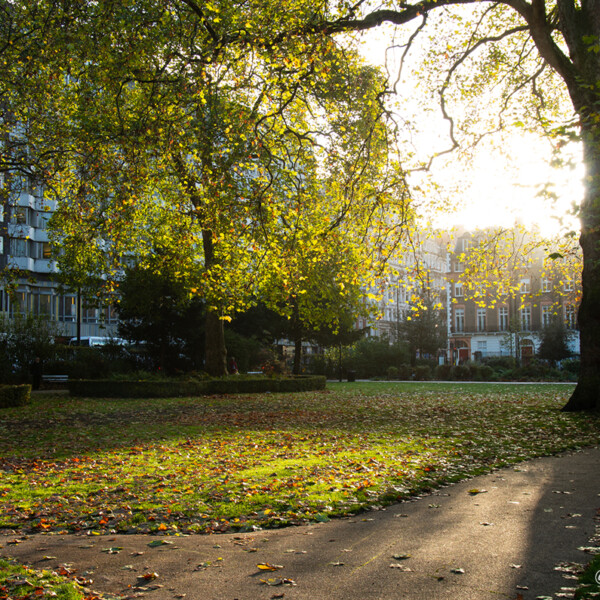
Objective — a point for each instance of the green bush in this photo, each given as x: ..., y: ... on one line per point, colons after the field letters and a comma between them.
x: 371, y: 357
x: 444, y: 372
x: 392, y: 372
x: 536, y: 370
x: 461, y: 372
x: 500, y: 363
x: 247, y: 351
x: 486, y: 373
x: 14, y: 395
x: 167, y: 388
x: 422, y: 372
x: 405, y: 372
x: 571, y: 365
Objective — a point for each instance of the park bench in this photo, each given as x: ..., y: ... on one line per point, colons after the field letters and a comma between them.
x: 55, y: 378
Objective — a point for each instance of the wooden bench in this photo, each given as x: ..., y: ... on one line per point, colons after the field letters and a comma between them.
x: 55, y: 378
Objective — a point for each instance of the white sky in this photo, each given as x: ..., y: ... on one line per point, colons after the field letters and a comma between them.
x: 494, y: 187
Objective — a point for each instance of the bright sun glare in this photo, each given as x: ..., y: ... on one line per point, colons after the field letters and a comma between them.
x: 492, y: 187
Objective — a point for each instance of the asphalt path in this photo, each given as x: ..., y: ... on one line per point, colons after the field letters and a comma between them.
x: 514, y: 533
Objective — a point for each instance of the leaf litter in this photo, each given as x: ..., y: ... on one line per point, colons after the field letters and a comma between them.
x: 212, y: 465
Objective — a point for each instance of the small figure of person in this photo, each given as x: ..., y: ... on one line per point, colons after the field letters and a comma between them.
x: 233, y: 368
x: 36, y: 373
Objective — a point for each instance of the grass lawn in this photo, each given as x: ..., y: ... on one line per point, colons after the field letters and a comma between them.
x: 238, y: 462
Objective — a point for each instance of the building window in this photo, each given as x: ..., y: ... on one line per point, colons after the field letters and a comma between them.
x: 21, y: 215
x: 570, y: 316
x: 458, y: 290
x: 482, y: 346
x: 42, y: 304
x: 89, y: 315
x: 67, y: 309
x: 459, y: 319
x: 481, y: 319
x: 112, y: 315
x: 18, y: 303
x: 503, y: 318
x: 525, y: 285
x: 546, y: 315
x: 546, y: 285
x: 526, y: 318
x: 568, y: 285
x: 18, y: 247
x: 459, y: 267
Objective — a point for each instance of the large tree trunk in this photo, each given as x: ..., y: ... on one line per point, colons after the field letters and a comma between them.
x: 587, y: 393
x: 297, y: 355
x: 215, y: 351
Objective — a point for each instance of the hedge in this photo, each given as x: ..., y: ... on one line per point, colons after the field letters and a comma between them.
x: 105, y: 388
x: 14, y: 395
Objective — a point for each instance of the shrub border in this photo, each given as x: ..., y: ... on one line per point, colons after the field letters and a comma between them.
x: 106, y: 388
x: 14, y: 395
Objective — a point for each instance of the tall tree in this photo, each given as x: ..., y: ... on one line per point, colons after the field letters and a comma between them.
x: 185, y: 123
x: 424, y: 328
x: 531, y: 52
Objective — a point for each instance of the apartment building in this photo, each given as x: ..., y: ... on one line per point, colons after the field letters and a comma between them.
x: 421, y: 269
x: 25, y: 254
x: 506, y: 318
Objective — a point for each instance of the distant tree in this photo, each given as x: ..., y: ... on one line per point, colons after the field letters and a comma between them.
x: 554, y: 342
x: 424, y: 328
x: 22, y: 338
x: 156, y: 309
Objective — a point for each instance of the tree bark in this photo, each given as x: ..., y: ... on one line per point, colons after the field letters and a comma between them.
x: 586, y: 396
x: 297, y: 355
x: 215, y: 352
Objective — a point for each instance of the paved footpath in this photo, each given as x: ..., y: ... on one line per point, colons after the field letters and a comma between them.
x: 504, y: 542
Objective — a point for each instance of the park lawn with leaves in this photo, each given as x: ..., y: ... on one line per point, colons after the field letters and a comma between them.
x: 234, y: 463
x: 19, y: 582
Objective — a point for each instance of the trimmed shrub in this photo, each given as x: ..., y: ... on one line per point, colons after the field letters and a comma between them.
x: 405, y: 372
x: 462, y: 372
x: 486, y: 373
x: 422, y: 372
x: 173, y: 388
x: 392, y: 372
x: 14, y: 395
x: 444, y: 372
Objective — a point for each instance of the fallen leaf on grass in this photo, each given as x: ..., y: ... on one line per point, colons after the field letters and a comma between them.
x: 400, y: 567
x: 113, y: 550
x: 401, y: 556
x: 476, y: 491
x: 337, y: 564
x: 458, y: 571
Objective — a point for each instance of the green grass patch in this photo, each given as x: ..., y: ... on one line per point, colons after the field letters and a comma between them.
x: 589, y: 582
x: 238, y: 462
x: 17, y: 581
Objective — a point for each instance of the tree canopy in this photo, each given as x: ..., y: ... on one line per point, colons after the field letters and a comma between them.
x: 201, y: 111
